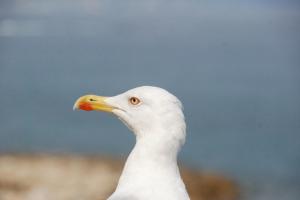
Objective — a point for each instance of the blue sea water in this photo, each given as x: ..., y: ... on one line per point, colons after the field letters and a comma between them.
x: 235, y: 67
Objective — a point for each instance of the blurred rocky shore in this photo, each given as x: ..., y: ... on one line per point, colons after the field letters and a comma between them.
x: 70, y: 177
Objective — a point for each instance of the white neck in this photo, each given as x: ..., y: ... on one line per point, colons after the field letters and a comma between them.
x: 151, y: 170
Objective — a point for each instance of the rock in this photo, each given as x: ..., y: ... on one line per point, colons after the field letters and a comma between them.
x: 66, y: 177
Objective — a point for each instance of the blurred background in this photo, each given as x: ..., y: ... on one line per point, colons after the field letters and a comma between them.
x: 234, y: 65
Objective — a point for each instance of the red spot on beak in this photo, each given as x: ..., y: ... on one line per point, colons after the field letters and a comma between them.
x: 86, y: 106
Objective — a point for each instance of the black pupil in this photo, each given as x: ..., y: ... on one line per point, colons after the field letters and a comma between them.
x: 134, y: 100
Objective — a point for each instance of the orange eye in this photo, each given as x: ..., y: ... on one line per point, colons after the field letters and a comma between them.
x: 134, y: 101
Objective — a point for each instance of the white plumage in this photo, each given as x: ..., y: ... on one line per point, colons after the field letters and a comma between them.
x: 151, y: 172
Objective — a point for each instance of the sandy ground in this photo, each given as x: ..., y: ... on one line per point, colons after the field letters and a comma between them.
x: 66, y: 177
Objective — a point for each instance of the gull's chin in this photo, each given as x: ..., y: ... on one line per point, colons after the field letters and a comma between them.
x: 123, y: 117
x: 121, y: 114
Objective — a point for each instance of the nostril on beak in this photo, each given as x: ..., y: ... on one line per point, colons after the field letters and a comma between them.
x: 93, y: 100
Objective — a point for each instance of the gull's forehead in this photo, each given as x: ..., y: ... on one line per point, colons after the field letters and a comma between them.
x: 150, y: 95
x: 149, y: 92
x: 153, y: 95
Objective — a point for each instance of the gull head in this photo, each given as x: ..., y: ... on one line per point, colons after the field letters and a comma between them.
x: 148, y: 111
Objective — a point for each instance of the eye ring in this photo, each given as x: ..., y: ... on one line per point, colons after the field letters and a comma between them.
x: 134, y: 100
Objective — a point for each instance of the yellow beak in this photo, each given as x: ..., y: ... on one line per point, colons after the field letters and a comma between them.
x: 93, y: 102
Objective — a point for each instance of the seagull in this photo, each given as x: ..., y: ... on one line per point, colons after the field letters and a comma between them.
x: 156, y: 118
